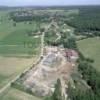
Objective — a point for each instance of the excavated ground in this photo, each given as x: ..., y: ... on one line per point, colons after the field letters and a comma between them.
x: 42, y: 78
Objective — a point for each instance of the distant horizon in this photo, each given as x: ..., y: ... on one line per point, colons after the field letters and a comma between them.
x: 45, y: 5
x: 15, y: 3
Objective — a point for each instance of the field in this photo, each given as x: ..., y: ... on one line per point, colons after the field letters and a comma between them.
x: 14, y: 40
x: 91, y: 48
x: 18, y: 51
x: 11, y: 67
x: 14, y: 94
x: 19, y: 47
x: 18, y: 43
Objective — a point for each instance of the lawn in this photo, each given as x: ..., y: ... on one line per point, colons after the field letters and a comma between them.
x: 14, y: 94
x: 91, y: 48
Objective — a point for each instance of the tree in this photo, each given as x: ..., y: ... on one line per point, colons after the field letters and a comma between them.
x: 57, y: 93
x: 14, y: 24
x: 70, y: 43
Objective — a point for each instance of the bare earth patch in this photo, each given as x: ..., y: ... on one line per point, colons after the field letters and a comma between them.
x: 42, y: 78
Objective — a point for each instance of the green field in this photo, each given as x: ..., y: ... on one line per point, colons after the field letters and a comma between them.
x: 14, y: 94
x: 10, y: 67
x: 14, y: 40
x: 6, y: 25
x: 91, y: 48
x: 16, y: 47
x: 18, y: 51
x: 19, y: 43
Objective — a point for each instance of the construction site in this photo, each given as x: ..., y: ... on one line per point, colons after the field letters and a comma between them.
x: 41, y: 79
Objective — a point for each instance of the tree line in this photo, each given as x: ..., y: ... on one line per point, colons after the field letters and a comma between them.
x: 89, y: 74
x: 92, y: 78
x: 21, y: 16
x: 88, y: 20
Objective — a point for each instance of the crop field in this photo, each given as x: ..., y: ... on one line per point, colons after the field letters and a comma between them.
x: 18, y: 51
x: 16, y: 47
x: 10, y: 67
x: 7, y: 27
x: 91, y: 48
x: 14, y: 94
x: 19, y: 43
x: 14, y: 40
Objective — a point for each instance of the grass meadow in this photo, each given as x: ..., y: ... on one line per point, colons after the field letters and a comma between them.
x: 14, y: 39
x: 14, y: 94
x: 91, y: 48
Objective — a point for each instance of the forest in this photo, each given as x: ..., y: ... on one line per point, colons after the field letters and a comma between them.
x: 88, y: 20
